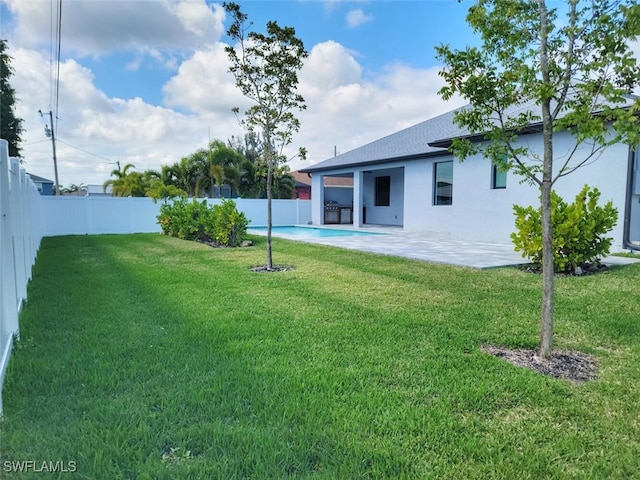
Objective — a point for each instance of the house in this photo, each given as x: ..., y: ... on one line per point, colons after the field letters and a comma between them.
x: 303, y: 185
x: 409, y: 179
x: 335, y: 187
x: 98, y: 191
x: 44, y: 185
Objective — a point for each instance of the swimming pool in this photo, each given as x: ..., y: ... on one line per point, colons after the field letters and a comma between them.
x: 310, y: 231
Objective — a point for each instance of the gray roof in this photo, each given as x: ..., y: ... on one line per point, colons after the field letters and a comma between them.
x: 409, y: 143
x: 37, y: 179
x: 427, y: 139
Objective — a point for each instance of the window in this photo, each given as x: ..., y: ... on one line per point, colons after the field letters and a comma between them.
x: 498, y: 177
x: 383, y: 189
x: 443, y: 183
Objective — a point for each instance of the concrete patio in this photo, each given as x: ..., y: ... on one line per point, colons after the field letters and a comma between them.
x: 428, y: 246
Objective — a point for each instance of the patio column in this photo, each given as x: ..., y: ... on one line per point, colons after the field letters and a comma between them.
x: 317, y: 199
x: 357, y: 198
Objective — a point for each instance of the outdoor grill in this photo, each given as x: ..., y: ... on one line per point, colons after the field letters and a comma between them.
x: 337, y: 213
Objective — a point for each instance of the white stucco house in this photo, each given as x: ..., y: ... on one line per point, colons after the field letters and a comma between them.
x: 409, y: 179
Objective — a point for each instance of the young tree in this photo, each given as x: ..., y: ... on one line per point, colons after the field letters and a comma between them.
x: 536, y: 68
x: 10, y: 126
x: 266, y: 68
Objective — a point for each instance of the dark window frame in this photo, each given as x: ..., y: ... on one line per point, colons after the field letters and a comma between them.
x: 497, y: 174
x: 383, y: 191
x: 440, y: 187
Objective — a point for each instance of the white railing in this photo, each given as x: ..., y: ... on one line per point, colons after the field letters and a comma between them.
x: 20, y: 235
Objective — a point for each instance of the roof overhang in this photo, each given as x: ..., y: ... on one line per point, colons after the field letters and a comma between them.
x: 480, y: 137
x: 380, y: 161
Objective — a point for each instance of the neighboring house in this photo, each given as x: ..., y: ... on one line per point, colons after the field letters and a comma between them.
x: 337, y: 189
x: 303, y: 185
x: 338, y: 196
x: 98, y: 191
x: 409, y: 179
x: 44, y: 185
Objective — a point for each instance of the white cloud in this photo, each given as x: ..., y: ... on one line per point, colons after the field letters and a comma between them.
x: 95, y: 131
x: 330, y: 65
x: 357, y: 17
x: 100, y: 27
x: 346, y: 108
x: 350, y: 113
x: 203, y: 84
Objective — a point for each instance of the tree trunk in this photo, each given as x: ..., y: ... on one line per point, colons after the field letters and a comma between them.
x: 269, y: 217
x: 546, y: 320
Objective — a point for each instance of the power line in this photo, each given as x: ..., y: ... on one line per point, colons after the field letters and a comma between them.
x: 87, y: 152
x: 59, y: 38
x: 35, y: 143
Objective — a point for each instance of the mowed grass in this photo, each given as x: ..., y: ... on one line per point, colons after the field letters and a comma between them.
x: 148, y: 357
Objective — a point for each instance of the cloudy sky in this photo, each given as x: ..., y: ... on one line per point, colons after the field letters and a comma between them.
x: 146, y: 81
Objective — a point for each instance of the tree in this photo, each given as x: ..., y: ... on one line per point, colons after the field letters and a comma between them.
x: 182, y: 175
x: 536, y: 69
x: 10, y: 125
x: 117, y: 182
x: 129, y: 184
x: 218, y: 166
x: 73, y: 188
x: 266, y: 68
x: 250, y: 147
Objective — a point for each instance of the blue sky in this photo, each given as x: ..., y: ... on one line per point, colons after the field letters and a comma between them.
x: 146, y: 81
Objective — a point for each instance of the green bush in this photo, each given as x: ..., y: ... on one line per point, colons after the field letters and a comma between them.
x: 578, y: 230
x: 229, y: 225
x: 193, y: 220
x: 184, y: 219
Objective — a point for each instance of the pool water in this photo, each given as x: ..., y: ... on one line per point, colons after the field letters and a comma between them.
x: 312, y: 231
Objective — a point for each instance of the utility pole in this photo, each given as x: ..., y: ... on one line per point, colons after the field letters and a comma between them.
x: 50, y: 133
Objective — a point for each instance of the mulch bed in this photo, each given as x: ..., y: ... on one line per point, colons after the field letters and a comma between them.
x: 576, y: 367
x: 275, y: 268
x: 589, y: 269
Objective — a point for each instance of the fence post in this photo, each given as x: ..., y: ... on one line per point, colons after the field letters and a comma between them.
x: 20, y: 222
x: 8, y: 293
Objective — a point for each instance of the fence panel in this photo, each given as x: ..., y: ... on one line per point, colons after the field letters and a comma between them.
x: 20, y: 236
x: 99, y: 215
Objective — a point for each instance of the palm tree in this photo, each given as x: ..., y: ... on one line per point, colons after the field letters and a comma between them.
x: 183, y: 174
x: 117, y: 183
x: 218, y: 166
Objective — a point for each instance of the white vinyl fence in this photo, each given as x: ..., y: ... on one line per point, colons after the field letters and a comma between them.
x: 97, y: 215
x: 20, y: 235
x: 26, y: 217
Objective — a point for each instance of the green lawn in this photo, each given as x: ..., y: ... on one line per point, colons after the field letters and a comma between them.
x: 147, y: 357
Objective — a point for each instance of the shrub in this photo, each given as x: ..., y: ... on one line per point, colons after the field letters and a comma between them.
x: 184, y: 219
x: 578, y: 230
x: 229, y: 225
x: 192, y: 220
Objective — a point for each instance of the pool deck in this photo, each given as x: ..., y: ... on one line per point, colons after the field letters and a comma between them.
x: 429, y: 247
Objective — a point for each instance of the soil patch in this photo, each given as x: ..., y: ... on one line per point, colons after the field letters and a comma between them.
x: 588, y: 269
x: 569, y: 365
x: 275, y: 268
